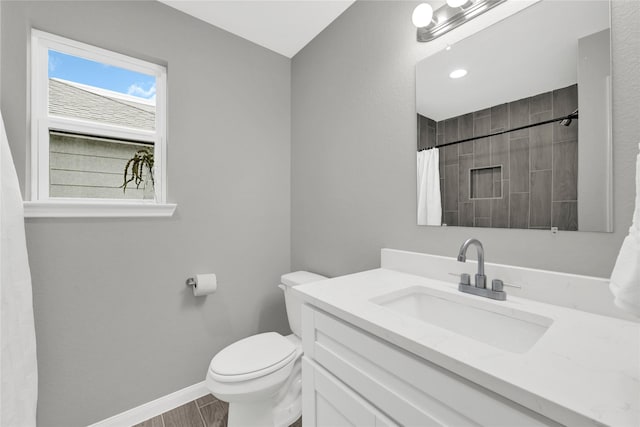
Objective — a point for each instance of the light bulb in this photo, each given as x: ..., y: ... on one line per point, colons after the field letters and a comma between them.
x: 456, y: 74
x: 422, y: 15
x: 456, y: 3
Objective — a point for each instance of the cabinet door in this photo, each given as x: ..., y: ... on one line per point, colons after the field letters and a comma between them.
x: 328, y: 402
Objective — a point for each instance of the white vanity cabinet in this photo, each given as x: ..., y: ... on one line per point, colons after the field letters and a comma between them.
x: 351, y: 377
x: 329, y: 402
x: 402, y: 345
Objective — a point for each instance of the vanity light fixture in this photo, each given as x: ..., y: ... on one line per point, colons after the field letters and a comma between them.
x: 422, y: 15
x: 458, y: 3
x: 456, y: 74
x: 433, y: 24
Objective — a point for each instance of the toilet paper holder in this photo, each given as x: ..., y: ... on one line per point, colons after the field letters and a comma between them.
x: 202, y: 284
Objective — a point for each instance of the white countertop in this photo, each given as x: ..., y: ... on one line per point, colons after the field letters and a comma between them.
x: 585, y: 370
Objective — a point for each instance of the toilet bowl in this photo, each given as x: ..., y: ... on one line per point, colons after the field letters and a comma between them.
x: 260, y: 376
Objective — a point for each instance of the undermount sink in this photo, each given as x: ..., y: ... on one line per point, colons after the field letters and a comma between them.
x: 502, y: 327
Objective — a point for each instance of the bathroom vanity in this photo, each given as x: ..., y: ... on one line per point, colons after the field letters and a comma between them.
x: 400, y: 345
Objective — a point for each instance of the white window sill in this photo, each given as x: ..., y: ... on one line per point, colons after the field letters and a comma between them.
x: 97, y: 209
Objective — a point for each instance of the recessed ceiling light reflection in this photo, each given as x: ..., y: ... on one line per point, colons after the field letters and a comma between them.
x: 456, y: 74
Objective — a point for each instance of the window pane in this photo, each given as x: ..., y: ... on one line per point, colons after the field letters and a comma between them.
x: 90, y: 90
x: 91, y: 167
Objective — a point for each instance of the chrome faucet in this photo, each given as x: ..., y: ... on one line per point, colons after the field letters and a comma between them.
x: 480, y: 287
x: 481, y: 279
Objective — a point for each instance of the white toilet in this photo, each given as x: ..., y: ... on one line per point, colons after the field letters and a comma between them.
x: 260, y: 376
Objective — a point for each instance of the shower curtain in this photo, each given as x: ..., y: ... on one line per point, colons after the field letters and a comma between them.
x: 18, y: 368
x: 429, y: 205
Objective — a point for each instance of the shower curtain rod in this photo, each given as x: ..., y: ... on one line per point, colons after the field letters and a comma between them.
x: 567, y: 119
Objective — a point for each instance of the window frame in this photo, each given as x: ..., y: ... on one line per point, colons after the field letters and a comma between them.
x: 39, y: 203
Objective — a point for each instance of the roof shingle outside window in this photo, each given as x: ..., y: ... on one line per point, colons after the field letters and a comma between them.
x: 83, y: 102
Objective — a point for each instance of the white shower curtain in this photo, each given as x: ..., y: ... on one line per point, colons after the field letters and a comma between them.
x: 429, y: 205
x: 18, y: 368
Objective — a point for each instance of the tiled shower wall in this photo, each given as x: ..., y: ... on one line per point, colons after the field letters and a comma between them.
x: 531, y: 175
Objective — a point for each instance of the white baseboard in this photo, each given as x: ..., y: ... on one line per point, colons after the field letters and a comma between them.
x: 155, y: 407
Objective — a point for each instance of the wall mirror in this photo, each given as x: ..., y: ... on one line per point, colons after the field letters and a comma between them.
x: 514, y: 123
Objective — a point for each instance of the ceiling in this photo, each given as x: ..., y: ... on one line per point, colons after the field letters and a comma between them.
x: 284, y: 27
x: 531, y: 52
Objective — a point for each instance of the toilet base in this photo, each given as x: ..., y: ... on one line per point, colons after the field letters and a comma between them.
x: 282, y: 410
x: 284, y: 417
x: 250, y: 414
x: 262, y: 414
x: 289, y: 408
x: 258, y: 414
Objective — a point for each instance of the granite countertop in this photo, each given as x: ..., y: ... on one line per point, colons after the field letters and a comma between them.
x: 585, y: 370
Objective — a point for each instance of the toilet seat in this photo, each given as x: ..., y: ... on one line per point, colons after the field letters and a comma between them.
x: 253, y: 357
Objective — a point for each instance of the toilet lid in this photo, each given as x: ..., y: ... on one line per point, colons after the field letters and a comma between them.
x: 253, y: 357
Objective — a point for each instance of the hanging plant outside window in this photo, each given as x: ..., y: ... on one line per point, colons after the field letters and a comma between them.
x: 135, y: 167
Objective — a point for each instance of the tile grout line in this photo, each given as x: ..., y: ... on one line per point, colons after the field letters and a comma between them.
x: 204, y: 424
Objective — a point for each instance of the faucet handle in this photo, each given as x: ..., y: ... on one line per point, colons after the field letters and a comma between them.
x: 465, y: 279
x: 497, y: 285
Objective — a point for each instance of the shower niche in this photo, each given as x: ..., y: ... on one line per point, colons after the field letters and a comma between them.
x: 484, y: 183
x: 524, y: 138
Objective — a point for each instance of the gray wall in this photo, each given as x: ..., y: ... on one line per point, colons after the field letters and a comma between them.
x: 112, y: 334
x: 353, y: 152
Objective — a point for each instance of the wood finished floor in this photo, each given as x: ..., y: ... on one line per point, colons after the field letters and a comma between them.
x: 206, y: 411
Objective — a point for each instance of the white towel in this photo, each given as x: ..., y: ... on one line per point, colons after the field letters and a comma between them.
x: 625, y: 278
x: 429, y: 204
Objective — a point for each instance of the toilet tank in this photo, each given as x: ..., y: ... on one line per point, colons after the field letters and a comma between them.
x: 293, y: 303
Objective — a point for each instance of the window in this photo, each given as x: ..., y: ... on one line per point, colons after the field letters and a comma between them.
x: 98, y: 139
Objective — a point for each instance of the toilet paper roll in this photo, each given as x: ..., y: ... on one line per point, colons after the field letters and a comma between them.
x: 205, y: 284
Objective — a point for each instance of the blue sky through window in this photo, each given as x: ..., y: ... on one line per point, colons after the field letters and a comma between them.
x: 92, y: 73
